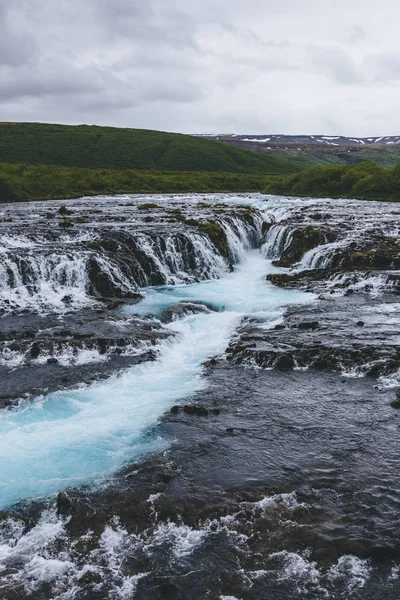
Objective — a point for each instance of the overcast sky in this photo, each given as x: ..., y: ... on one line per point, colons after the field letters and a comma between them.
x: 204, y: 66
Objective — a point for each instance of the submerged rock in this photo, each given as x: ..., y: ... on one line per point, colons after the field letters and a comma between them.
x: 396, y: 403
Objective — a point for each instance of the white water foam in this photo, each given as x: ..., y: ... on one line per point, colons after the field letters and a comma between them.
x: 68, y: 438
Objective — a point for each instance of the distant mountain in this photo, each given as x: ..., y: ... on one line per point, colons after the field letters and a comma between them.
x: 328, y: 140
x: 310, y: 150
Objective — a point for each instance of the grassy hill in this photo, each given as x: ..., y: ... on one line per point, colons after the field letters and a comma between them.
x: 139, y: 149
x: 308, y: 155
x: 367, y: 181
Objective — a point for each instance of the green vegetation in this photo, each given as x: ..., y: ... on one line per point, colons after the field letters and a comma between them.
x: 46, y: 182
x: 367, y: 181
x: 306, y: 155
x: 43, y: 161
x: 95, y: 147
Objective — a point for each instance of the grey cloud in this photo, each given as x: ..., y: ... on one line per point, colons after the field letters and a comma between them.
x: 16, y: 48
x: 153, y: 22
x: 199, y: 65
x: 384, y: 66
x: 337, y: 64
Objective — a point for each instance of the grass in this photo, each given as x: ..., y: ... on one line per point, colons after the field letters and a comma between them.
x: 93, y: 147
x: 367, y: 181
x: 20, y: 182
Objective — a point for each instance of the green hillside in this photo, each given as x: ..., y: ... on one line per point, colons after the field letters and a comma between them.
x: 45, y: 182
x: 367, y: 181
x: 308, y: 155
x: 139, y: 149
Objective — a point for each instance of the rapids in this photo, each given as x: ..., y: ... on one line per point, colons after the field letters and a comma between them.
x: 69, y: 438
x: 210, y: 381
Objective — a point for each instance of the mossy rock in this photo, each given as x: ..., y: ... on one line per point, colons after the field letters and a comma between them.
x: 217, y: 235
x: 147, y: 206
x: 304, y: 239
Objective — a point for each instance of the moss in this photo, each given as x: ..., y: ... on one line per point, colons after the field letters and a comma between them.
x: 63, y: 210
x: 304, y: 239
x: 66, y: 223
x: 217, y: 235
x: 147, y: 206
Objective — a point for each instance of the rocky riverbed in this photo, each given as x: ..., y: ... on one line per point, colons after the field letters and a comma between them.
x: 198, y: 399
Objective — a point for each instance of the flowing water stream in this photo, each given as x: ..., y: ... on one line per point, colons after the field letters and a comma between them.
x: 289, y: 475
x: 69, y: 438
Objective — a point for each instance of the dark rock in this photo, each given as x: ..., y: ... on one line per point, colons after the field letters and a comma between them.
x: 114, y: 305
x: 308, y: 325
x: 175, y: 409
x: 322, y: 364
x: 353, y: 547
x: 169, y: 590
x: 285, y: 362
x: 360, y: 323
x: 194, y: 409
x: 35, y: 350
x: 383, y: 553
x: 64, y: 504
x: 302, y: 240
x: 182, y: 309
x: 396, y: 403
x: 52, y: 361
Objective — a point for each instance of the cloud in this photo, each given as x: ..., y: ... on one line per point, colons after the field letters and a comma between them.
x: 203, y: 65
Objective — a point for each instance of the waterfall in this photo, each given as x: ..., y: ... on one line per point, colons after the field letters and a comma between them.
x: 242, y: 235
x: 58, y: 272
x: 277, y: 240
x: 35, y: 281
x: 183, y: 258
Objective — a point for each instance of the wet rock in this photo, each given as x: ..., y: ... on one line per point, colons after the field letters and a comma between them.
x: 285, y: 362
x: 52, y: 361
x: 396, y: 403
x: 35, y: 350
x: 302, y: 240
x: 182, y: 309
x: 168, y: 589
x: 114, y: 305
x: 64, y: 504
x: 194, y: 409
x: 351, y: 547
x: 308, y: 325
x: 232, y: 430
x: 360, y: 323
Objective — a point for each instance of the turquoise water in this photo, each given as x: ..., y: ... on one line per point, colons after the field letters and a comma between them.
x: 73, y: 437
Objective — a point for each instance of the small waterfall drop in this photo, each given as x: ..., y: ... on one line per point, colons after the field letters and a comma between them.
x: 277, y: 240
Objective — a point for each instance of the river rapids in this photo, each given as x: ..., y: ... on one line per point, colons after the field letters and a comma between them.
x: 198, y: 398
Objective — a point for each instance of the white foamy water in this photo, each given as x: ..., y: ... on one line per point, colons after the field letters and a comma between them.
x: 68, y: 438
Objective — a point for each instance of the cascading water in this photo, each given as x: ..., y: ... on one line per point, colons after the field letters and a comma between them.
x: 69, y: 438
x: 304, y: 433
x: 56, y: 274
x: 278, y: 239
